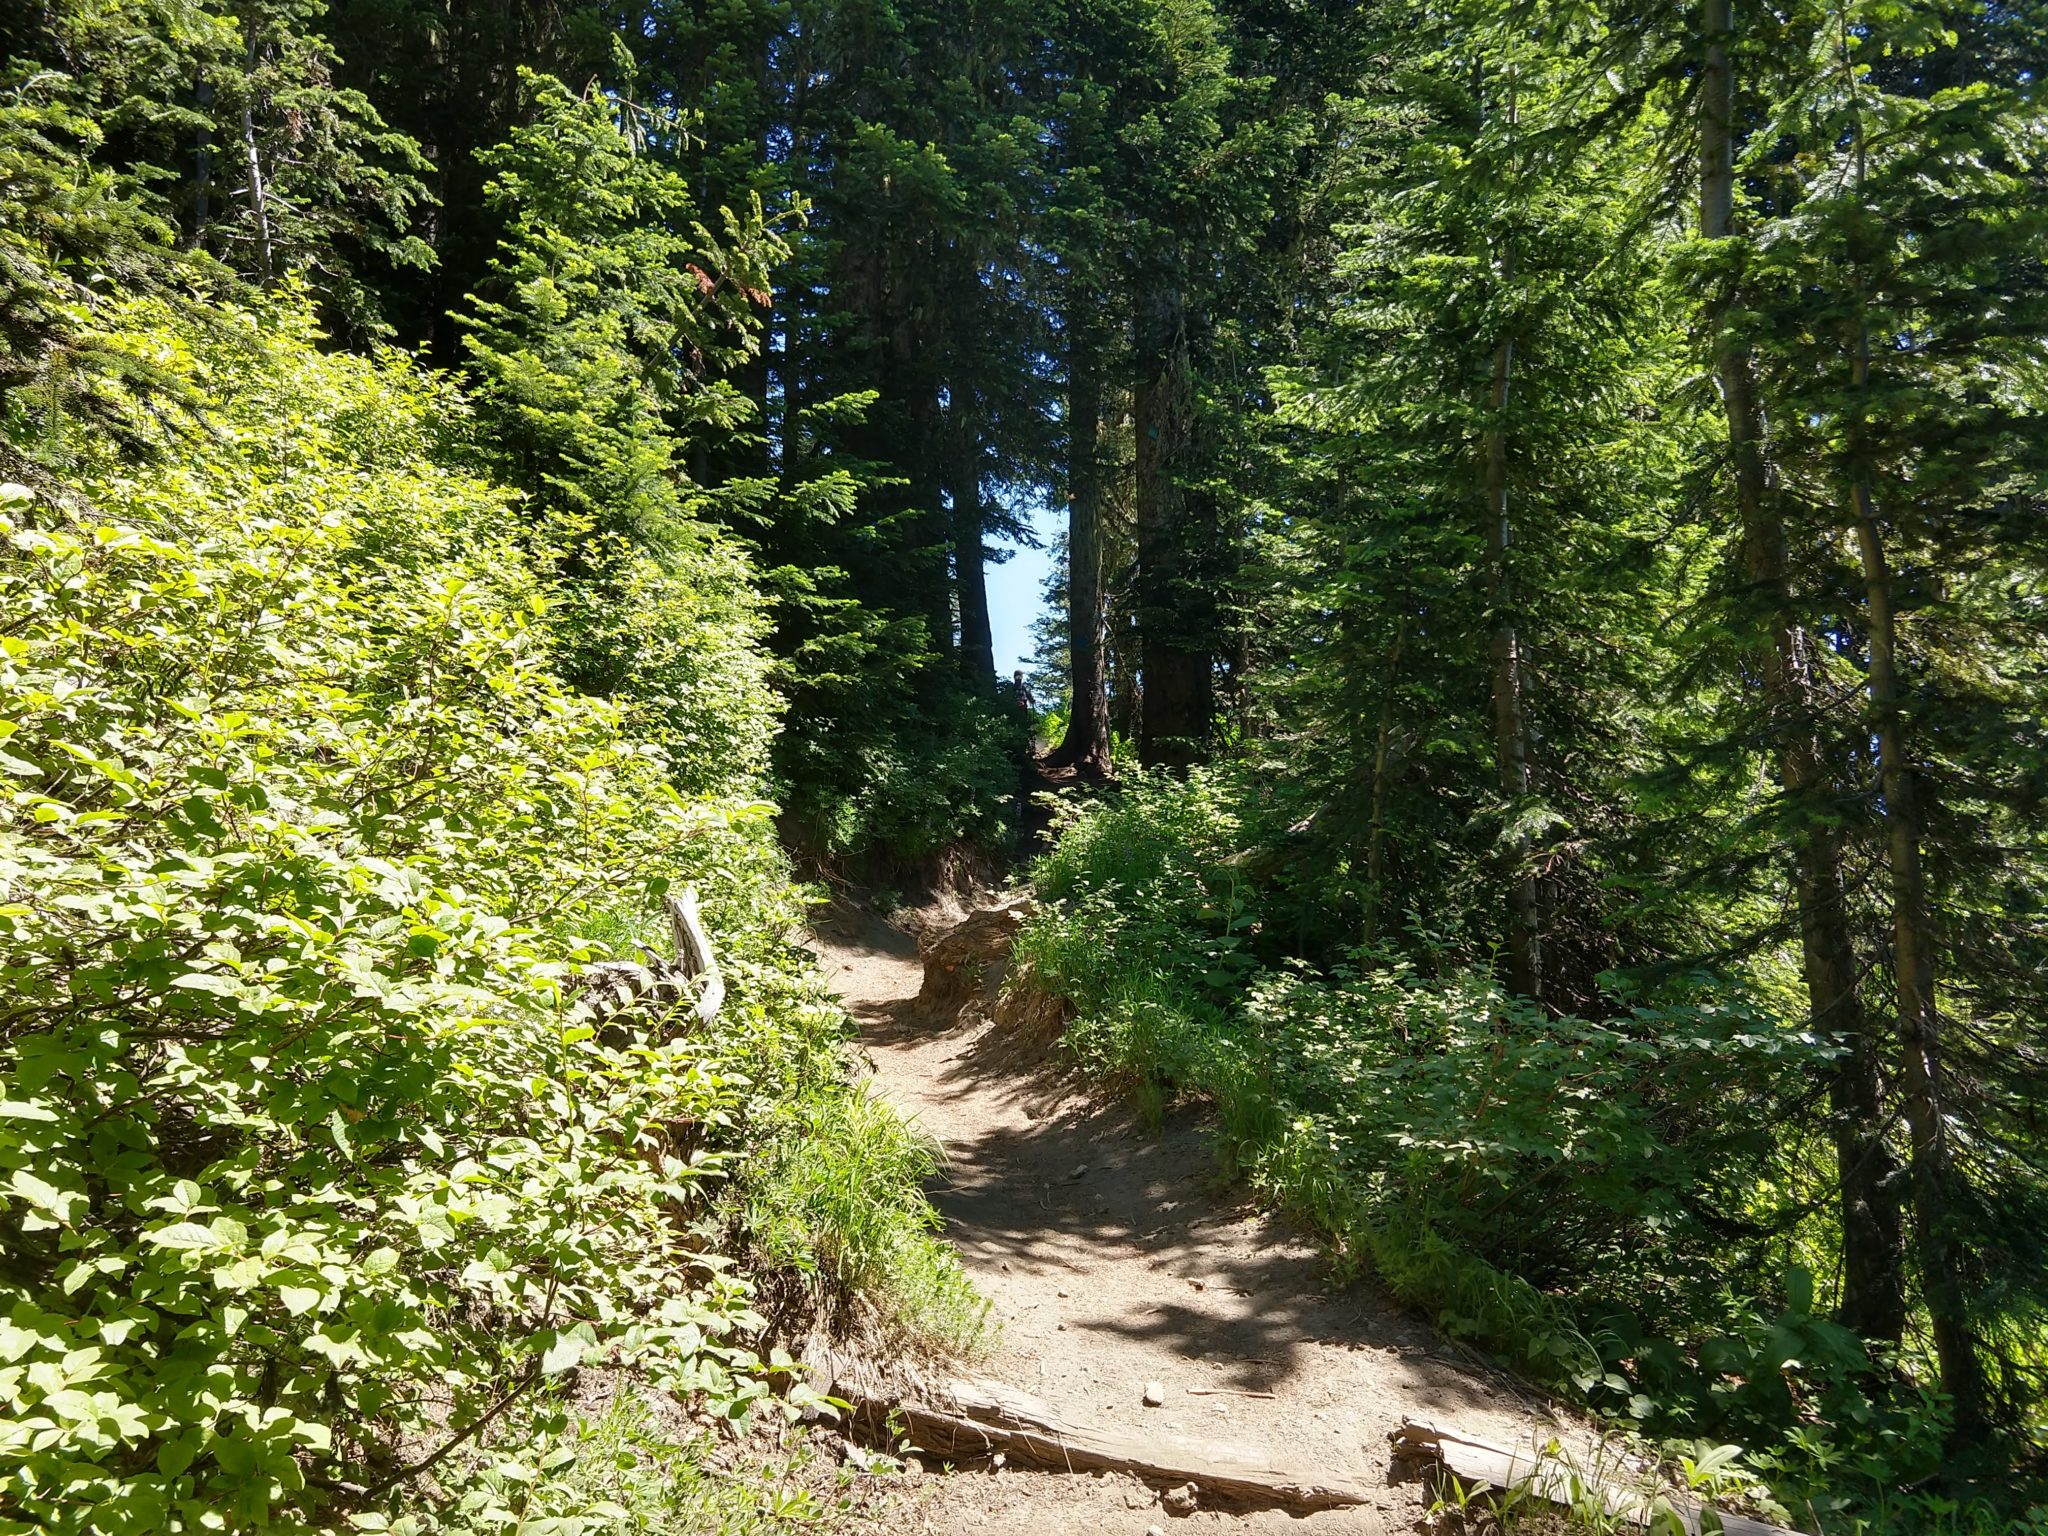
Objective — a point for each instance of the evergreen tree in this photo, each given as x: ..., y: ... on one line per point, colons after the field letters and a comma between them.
x: 611, y: 316
x: 1908, y: 263
x: 600, y: 348
x: 83, y: 236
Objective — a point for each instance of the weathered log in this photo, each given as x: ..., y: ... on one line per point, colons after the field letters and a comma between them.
x: 693, y: 950
x: 969, y: 1419
x: 1479, y: 1464
x: 610, y: 987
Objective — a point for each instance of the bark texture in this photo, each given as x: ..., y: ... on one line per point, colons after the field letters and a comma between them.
x: 1873, y: 1301
x: 1175, y: 711
x: 970, y: 574
x: 1510, y: 718
x: 1085, y: 747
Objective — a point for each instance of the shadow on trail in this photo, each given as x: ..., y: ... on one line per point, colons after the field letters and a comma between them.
x: 1130, y: 1238
x: 1231, y: 1287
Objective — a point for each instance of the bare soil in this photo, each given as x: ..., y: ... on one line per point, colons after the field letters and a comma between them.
x: 1113, y: 1256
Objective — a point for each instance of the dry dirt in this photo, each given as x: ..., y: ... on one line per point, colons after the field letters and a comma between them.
x: 1112, y: 1256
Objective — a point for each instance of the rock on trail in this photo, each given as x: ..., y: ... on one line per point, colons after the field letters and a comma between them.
x: 1121, y: 1274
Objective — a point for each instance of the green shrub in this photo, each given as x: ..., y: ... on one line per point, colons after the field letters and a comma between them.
x: 889, y: 771
x: 677, y: 641
x: 1611, y: 1204
x: 315, y: 1184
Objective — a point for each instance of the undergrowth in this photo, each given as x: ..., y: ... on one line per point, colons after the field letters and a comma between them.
x: 316, y: 1190
x: 841, y: 1199
x: 1613, y: 1205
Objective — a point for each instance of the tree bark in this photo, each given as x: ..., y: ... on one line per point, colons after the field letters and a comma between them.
x: 928, y: 531
x: 1915, y: 945
x: 1873, y: 1293
x: 1510, y: 719
x: 1174, y: 713
x: 977, y: 643
x: 259, y: 200
x: 1085, y: 747
x: 1932, y: 1173
x: 1931, y: 1167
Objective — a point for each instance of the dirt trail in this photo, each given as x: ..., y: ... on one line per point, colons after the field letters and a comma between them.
x: 1111, y: 1258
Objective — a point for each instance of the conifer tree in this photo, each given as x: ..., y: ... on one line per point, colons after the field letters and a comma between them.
x: 610, y: 317
x: 1911, y: 275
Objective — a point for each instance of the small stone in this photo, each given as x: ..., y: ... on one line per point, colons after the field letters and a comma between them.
x: 999, y: 1458
x: 1155, y: 1394
x: 1183, y: 1500
x: 1155, y: 1530
x: 1079, y: 1172
x: 1060, y: 1294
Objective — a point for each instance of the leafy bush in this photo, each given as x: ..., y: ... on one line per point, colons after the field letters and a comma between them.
x: 889, y: 771
x: 314, y: 1180
x: 676, y: 641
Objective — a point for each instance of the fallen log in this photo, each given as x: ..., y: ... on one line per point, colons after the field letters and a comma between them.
x: 971, y: 1419
x: 1545, y: 1475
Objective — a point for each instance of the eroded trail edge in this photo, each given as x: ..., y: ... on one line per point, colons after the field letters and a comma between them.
x: 1114, y: 1261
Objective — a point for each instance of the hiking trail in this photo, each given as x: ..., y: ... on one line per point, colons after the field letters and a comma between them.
x: 1113, y: 1257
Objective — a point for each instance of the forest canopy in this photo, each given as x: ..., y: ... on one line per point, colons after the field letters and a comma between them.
x: 1549, y: 642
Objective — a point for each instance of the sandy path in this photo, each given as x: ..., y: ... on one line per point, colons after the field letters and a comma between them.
x: 1111, y: 1258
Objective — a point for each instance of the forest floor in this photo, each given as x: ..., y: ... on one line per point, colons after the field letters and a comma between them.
x: 1113, y: 1256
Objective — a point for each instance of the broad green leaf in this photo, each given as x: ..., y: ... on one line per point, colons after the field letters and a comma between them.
x: 183, y: 1235
x: 298, y: 1299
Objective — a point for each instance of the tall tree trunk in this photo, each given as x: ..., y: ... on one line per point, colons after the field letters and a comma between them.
x: 1173, y: 716
x: 259, y: 197
x: 928, y: 531
x: 1932, y: 1173
x: 1873, y: 1291
x: 1382, y: 786
x: 1085, y: 747
x: 1510, y: 720
x: 977, y: 644
x: 1931, y: 1167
